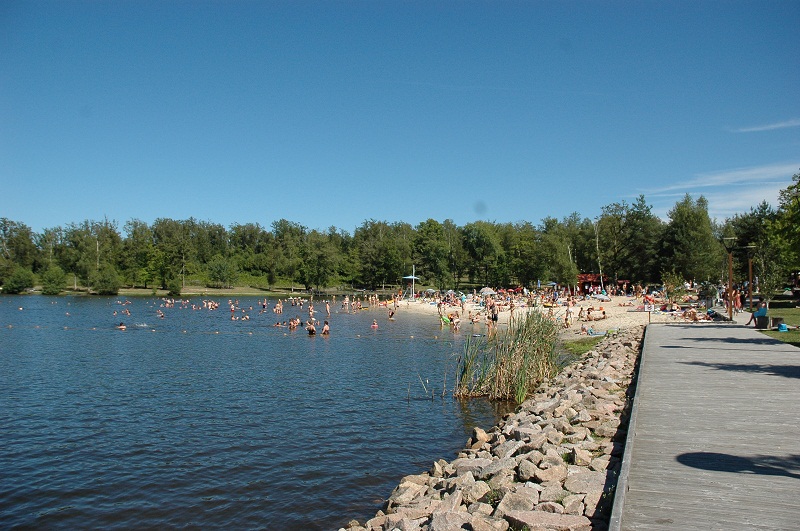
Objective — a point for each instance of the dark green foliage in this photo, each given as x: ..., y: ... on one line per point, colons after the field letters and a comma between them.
x: 627, y: 241
x: 19, y: 280
x: 174, y: 287
x: 629, y: 238
x: 222, y: 272
x: 105, y: 281
x: 689, y: 247
x: 53, y: 280
x: 484, y: 247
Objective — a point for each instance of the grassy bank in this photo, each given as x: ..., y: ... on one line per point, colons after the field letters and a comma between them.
x: 785, y: 307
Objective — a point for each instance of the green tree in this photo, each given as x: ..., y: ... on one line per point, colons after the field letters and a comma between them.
x: 53, y: 280
x: 137, y: 250
x: 611, y: 230
x: 79, y: 255
x: 629, y: 238
x: 756, y: 246
x: 674, y: 286
x: 786, y: 228
x: 289, y: 238
x: 17, y: 247
x: 689, y: 246
x: 431, y: 252
x: 556, y: 253
x: 174, y: 287
x: 105, y: 281
x: 641, y: 235
x: 383, y: 252
x: 205, y: 241
x: 484, y: 248
x: 174, y: 250
x: 222, y: 272
x: 320, y: 257
x: 778, y: 250
x: 457, y: 257
x: 526, y: 263
x: 49, y: 243
x: 19, y: 280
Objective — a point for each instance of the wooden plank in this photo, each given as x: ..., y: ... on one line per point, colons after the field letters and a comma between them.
x: 715, y: 441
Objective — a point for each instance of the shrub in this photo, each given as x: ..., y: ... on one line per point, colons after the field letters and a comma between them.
x: 174, y: 287
x: 53, y: 280
x: 105, y: 281
x: 20, y: 280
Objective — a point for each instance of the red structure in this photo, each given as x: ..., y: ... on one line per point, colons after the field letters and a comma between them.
x: 590, y: 280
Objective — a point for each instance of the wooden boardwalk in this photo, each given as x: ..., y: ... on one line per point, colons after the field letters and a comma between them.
x: 714, y: 440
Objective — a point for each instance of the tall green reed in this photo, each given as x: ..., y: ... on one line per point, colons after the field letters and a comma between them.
x: 512, y: 363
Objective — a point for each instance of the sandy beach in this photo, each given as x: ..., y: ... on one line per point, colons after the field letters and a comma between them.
x: 617, y: 316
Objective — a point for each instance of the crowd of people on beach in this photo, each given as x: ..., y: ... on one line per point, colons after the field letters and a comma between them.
x: 566, y: 307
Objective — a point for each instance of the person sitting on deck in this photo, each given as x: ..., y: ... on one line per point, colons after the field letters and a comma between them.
x: 760, y: 312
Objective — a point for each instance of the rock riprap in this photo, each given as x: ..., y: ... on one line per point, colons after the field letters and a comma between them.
x: 553, y: 464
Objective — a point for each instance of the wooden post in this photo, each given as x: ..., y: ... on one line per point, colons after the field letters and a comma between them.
x: 750, y: 280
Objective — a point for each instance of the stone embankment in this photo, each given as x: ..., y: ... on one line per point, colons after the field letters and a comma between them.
x: 553, y: 464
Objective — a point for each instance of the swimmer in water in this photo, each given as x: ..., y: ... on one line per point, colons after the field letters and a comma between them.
x: 326, y: 329
x: 122, y: 326
x: 374, y: 323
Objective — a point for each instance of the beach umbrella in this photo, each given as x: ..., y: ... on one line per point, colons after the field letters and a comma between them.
x: 487, y: 291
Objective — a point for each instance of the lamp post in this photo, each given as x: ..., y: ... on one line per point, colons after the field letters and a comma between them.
x: 750, y: 280
x: 728, y: 244
x: 750, y: 249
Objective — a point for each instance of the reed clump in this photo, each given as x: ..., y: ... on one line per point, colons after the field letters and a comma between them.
x: 512, y: 363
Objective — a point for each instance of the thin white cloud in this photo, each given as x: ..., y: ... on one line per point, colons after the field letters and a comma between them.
x: 771, y: 174
x: 728, y: 192
x: 769, y: 127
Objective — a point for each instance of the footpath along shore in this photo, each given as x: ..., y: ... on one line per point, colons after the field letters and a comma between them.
x: 553, y: 464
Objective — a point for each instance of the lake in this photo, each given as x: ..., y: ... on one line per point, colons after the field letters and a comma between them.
x: 197, y: 420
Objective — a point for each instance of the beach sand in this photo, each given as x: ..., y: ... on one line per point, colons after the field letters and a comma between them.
x: 617, y: 316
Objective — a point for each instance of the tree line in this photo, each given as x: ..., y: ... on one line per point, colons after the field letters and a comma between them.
x: 626, y: 241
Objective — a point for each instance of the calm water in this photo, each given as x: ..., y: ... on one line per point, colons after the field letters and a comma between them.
x: 197, y: 420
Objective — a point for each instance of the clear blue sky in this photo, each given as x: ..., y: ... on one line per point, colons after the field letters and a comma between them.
x: 332, y: 113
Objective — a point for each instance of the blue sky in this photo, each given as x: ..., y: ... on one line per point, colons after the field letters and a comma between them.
x: 333, y: 113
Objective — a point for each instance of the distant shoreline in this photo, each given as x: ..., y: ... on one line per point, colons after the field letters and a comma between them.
x: 619, y: 314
